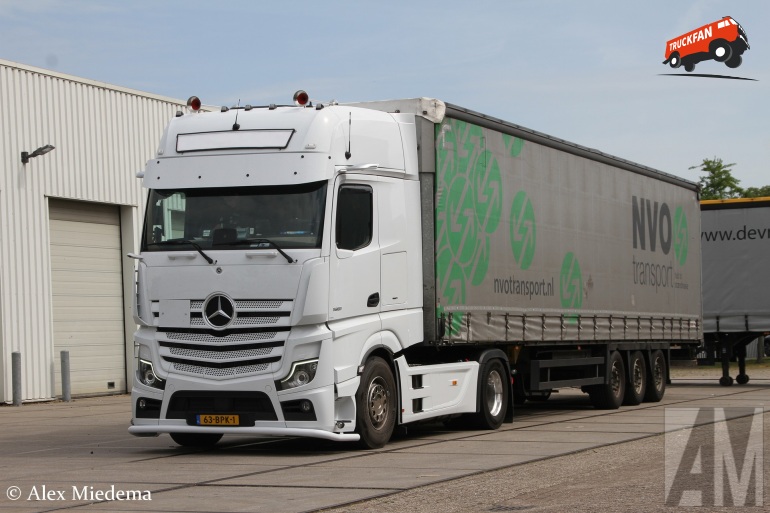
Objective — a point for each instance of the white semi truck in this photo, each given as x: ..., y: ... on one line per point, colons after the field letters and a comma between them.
x: 335, y: 271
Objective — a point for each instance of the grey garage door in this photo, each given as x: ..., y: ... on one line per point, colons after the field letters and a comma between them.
x: 87, y: 289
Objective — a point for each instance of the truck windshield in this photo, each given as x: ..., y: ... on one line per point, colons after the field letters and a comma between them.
x: 234, y: 218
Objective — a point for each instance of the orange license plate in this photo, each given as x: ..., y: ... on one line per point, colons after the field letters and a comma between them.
x: 217, y: 420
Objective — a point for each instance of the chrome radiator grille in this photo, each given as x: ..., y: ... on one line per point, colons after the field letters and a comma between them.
x: 252, y: 343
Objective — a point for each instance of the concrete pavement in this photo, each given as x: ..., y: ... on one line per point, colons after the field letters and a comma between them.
x: 81, y: 453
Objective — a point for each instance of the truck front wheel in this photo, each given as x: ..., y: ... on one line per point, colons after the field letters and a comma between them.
x: 609, y: 396
x: 493, y: 395
x: 376, y: 404
x: 720, y: 50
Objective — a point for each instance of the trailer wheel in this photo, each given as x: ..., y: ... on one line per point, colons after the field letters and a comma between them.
x: 376, y: 404
x: 720, y: 50
x: 636, y: 386
x: 656, y: 380
x: 689, y: 66
x: 196, y: 439
x: 610, y: 395
x: 726, y: 381
x: 742, y: 379
x: 493, y: 395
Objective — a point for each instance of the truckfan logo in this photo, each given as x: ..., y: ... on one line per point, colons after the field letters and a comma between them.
x: 722, y: 41
x: 523, y: 232
x: 219, y: 311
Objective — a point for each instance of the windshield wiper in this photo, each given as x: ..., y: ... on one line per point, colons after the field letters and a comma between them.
x: 263, y: 241
x: 184, y: 241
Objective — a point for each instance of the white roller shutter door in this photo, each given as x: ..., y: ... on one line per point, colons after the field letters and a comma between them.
x: 87, y: 290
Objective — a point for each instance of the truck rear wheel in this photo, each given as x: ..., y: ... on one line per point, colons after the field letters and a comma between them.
x: 636, y: 386
x: 493, y: 395
x: 609, y: 396
x: 376, y: 404
x: 196, y: 439
x: 675, y: 61
x: 656, y: 380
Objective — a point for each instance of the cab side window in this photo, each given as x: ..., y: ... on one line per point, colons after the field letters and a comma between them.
x: 354, y: 217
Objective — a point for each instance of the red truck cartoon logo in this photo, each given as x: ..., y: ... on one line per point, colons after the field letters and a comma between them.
x: 723, y: 41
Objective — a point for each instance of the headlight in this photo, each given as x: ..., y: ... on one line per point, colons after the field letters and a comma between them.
x: 301, y: 373
x: 147, y: 376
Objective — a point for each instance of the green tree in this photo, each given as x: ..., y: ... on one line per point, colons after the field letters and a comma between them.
x: 718, y: 181
x: 757, y: 192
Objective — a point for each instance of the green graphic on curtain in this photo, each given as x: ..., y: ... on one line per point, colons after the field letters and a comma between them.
x: 468, y: 209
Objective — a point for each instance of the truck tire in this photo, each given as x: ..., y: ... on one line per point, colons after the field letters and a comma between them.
x: 734, y: 62
x: 493, y: 395
x: 609, y: 396
x: 656, y: 379
x: 636, y: 385
x: 675, y: 61
x: 196, y: 439
x: 720, y: 50
x: 376, y: 404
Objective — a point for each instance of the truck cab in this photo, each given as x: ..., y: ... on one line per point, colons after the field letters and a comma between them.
x: 281, y: 252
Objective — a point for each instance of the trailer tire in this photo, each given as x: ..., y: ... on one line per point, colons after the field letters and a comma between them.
x: 742, y: 379
x: 376, y: 404
x: 689, y: 66
x: 196, y: 439
x: 656, y: 379
x: 493, y: 395
x: 636, y: 385
x: 609, y: 396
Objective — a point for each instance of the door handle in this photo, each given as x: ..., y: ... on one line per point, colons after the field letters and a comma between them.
x: 373, y: 300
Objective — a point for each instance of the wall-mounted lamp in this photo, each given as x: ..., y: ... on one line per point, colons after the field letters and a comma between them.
x: 40, y: 151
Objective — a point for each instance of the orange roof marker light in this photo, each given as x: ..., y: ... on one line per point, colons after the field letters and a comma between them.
x: 194, y: 103
x: 301, y: 98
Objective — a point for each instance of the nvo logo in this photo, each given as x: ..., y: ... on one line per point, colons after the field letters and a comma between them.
x: 652, y: 224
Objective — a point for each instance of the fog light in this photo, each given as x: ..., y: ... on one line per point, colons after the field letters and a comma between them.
x: 305, y: 406
x: 142, y: 403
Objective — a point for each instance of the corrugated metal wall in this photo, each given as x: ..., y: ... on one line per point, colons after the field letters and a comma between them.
x: 103, y: 135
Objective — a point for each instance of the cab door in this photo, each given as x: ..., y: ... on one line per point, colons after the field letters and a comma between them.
x: 355, y: 253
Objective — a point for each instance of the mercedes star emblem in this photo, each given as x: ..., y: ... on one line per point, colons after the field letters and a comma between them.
x: 219, y: 311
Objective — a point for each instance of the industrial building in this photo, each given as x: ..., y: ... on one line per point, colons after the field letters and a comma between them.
x: 70, y: 211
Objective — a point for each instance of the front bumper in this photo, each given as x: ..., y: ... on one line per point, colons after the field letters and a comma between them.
x: 150, y: 430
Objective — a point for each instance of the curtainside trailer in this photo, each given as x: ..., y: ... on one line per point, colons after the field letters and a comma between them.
x: 735, y: 236
x: 334, y: 271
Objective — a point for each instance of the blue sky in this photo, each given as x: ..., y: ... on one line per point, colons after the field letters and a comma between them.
x: 586, y: 71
